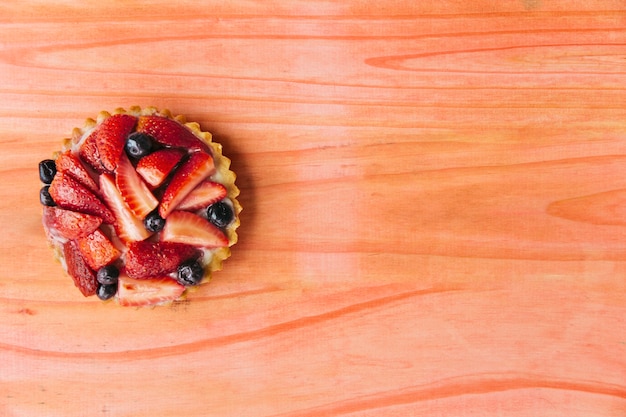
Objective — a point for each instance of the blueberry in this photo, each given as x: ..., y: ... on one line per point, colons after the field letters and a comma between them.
x: 108, y: 274
x: 45, y: 197
x: 154, y: 222
x: 139, y: 144
x: 105, y: 292
x: 47, y: 170
x: 220, y: 214
x: 190, y: 272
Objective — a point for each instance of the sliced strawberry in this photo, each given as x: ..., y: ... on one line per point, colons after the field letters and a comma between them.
x: 88, y: 152
x: 134, y: 191
x: 128, y: 226
x: 70, y: 194
x: 68, y: 162
x: 189, y: 228
x: 169, y: 132
x: 84, y: 278
x: 146, y: 292
x: 70, y: 224
x: 192, y: 172
x: 205, y: 194
x: 155, y: 167
x: 111, y: 137
x: 150, y: 259
x: 97, y: 250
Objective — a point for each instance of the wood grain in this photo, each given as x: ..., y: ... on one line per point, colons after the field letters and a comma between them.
x: 434, y: 207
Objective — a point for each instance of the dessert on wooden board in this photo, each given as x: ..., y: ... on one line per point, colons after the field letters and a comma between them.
x: 139, y: 206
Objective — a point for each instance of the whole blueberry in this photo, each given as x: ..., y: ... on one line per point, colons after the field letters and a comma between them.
x: 45, y: 198
x: 47, y: 170
x: 220, y: 214
x: 190, y: 272
x: 108, y: 275
x: 139, y: 144
x: 154, y: 222
x: 105, y: 292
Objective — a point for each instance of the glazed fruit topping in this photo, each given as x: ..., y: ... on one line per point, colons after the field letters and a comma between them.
x: 156, y: 167
x: 154, y: 222
x: 89, y: 153
x: 143, y: 292
x: 190, y: 272
x: 149, y: 259
x: 70, y: 194
x: 111, y: 137
x: 135, y: 206
x: 170, y: 133
x: 108, y: 275
x: 45, y: 198
x: 105, y: 292
x: 192, y: 172
x: 134, y: 191
x: 128, y: 226
x: 69, y: 163
x: 138, y: 145
x: 107, y: 278
x: 97, y: 250
x: 47, y: 169
x: 84, y: 278
x: 189, y: 228
x: 208, y: 192
x: 220, y: 214
x: 70, y: 224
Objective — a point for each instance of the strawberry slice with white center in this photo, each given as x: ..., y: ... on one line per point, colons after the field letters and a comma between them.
x: 129, y: 227
x: 144, y: 292
x: 187, y: 227
x: 155, y: 167
x: 205, y: 194
x: 134, y: 191
x: 192, y: 172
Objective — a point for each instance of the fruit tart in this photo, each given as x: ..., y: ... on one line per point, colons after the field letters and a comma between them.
x: 139, y: 206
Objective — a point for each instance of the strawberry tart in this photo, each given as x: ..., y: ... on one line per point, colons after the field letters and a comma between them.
x: 139, y: 206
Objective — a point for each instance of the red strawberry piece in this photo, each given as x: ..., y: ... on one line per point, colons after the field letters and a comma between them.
x: 145, y: 292
x: 155, y: 167
x: 169, y: 132
x: 70, y: 194
x: 189, y: 228
x: 97, y: 250
x: 111, y: 136
x: 70, y: 224
x: 192, y: 172
x: 88, y: 152
x: 128, y: 226
x: 150, y: 259
x: 84, y: 278
x: 205, y: 194
x: 68, y: 162
x: 134, y: 191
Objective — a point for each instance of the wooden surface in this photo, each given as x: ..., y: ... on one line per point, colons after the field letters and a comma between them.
x: 434, y: 208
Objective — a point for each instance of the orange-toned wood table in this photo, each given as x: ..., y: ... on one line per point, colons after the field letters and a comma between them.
x: 434, y: 213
